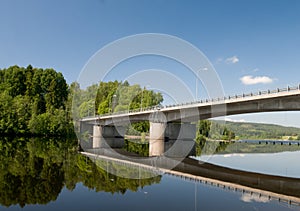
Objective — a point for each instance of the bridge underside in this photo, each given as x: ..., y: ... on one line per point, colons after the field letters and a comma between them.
x: 288, y: 103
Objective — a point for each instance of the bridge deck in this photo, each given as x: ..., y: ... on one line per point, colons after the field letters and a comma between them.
x: 239, y: 100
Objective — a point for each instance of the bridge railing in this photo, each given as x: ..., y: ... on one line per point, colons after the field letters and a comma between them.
x: 259, y: 93
x: 205, y: 101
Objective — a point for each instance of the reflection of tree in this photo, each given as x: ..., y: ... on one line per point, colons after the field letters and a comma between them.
x: 205, y: 147
x: 95, y: 177
x: 139, y: 147
x: 35, y: 171
x: 26, y: 176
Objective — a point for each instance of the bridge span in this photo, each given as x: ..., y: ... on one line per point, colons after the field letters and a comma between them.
x: 175, y: 122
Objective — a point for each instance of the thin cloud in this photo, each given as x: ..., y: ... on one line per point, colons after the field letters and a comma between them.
x: 232, y: 60
x: 234, y: 155
x: 251, y: 80
x: 219, y: 60
x: 234, y: 120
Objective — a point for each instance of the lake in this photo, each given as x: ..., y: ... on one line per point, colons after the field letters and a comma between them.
x: 49, y: 174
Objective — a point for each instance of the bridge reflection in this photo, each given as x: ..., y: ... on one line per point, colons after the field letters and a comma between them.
x: 253, y: 186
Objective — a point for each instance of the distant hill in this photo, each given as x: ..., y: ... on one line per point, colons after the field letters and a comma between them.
x: 247, y: 130
x: 239, y: 147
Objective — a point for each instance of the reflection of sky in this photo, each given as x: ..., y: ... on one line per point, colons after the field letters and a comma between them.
x: 283, y: 163
x: 247, y: 197
x: 171, y: 193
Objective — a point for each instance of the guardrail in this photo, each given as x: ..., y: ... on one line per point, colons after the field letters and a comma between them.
x: 212, y: 100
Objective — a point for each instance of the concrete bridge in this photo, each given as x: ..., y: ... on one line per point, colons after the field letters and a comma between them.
x: 177, y: 122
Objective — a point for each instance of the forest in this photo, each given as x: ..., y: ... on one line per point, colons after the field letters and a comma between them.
x: 34, y: 101
x: 39, y: 102
x: 114, y: 96
x: 260, y: 131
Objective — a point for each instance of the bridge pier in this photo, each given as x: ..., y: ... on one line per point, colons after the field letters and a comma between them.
x: 157, y: 138
x: 108, y: 136
x: 172, y: 139
x: 97, y: 137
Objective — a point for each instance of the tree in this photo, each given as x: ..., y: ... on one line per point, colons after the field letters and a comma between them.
x: 17, y: 79
x: 7, y: 119
x: 204, y: 128
x: 105, y: 92
x: 32, y: 100
x: 228, y: 135
x: 57, y: 92
x: 208, y: 129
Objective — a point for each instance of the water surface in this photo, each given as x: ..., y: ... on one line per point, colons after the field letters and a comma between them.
x: 44, y: 174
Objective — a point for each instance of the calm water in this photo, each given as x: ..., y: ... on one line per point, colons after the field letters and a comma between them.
x: 49, y: 175
x: 274, y: 159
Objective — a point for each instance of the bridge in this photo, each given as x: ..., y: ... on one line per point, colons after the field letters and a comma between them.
x: 177, y: 122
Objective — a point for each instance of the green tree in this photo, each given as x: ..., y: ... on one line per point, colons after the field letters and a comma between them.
x: 104, y: 96
x: 204, y: 128
x: 30, y: 96
x: 7, y: 118
x: 16, y: 79
x: 227, y: 134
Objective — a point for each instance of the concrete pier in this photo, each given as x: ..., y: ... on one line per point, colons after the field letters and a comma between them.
x: 157, y: 138
x: 172, y: 139
x: 108, y: 136
x: 97, y: 136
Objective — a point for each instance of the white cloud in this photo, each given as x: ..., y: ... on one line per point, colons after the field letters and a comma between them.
x: 233, y: 155
x: 232, y: 60
x: 250, y: 80
x: 234, y: 120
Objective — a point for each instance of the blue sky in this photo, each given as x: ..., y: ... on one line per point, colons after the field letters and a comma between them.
x: 259, y: 39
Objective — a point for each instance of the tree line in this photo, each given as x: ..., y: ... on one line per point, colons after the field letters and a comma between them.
x: 207, y: 129
x: 111, y: 97
x: 36, y: 101
x: 259, y: 131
